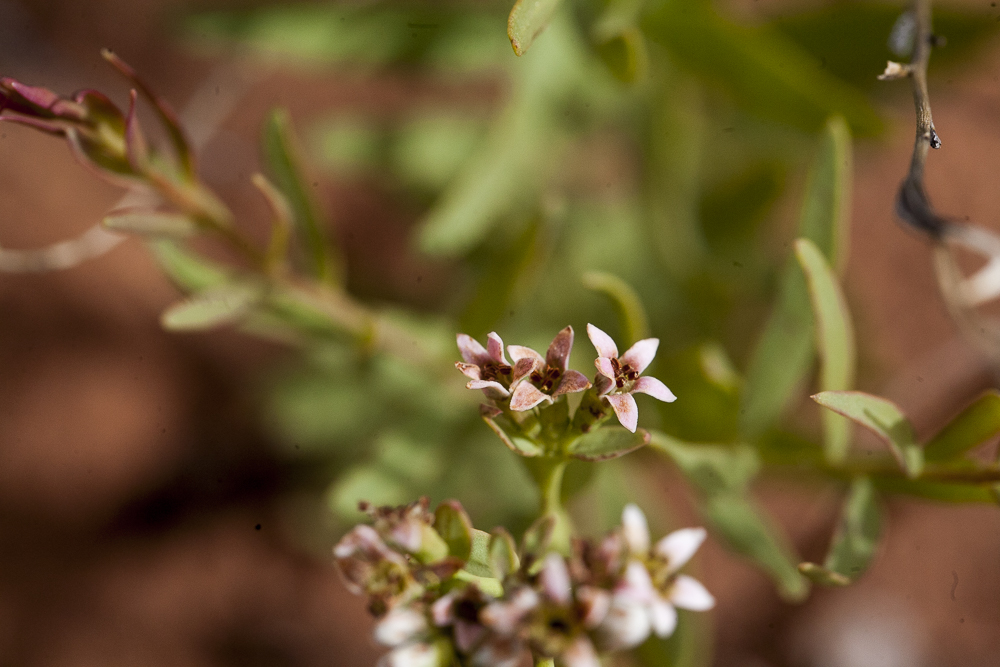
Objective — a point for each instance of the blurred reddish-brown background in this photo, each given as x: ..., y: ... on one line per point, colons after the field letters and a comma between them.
x: 140, y: 518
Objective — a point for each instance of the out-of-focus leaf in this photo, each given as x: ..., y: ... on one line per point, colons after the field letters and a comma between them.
x: 973, y: 426
x: 785, y: 349
x: 213, y: 307
x: 712, y: 468
x: 527, y: 20
x: 455, y: 528
x: 764, y: 71
x: 747, y: 531
x: 835, y: 341
x: 821, y: 31
x: 635, y: 324
x: 430, y: 150
x: 626, y: 55
x: 151, y: 223
x: 514, y: 442
x: 942, y: 491
x: 503, y: 553
x: 883, y: 418
x: 284, y: 158
x: 718, y: 367
x: 607, y: 442
x: 709, y: 389
x: 479, y: 555
x: 346, y: 145
x: 731, y: 211
x: 189, y: 271
x: 368, y: 483
x: 855, y: 540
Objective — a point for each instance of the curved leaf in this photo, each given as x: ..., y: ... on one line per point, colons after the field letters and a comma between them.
x: 214, y: 307
x: 452, y: 523
x: 527, y: 20
x: 607, y: 442
x: 855, y: 540
x: 973, y: 426
x: 635, y: 324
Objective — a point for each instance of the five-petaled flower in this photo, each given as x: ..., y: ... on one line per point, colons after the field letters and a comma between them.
x: 538, y: 378
x: 619, y: 377
x: 487, y: 367
x: 650, y: 590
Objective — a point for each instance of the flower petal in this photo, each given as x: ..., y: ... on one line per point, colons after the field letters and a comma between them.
x: 655, y: 388
x: 494, y: 347
x: 467, y: 634
x: 557, y: 355
x: 527, y: 396
x: 679, y: 546
x: 554, y: 578
x: 571, y: 382
x: 491, y: 388
x: 663, y: 618
x: 524, y: 367
x: 519, y: 352
x: 635, y: 585
x: 469, y: 370
x: 594, y: 605
x: 400, y: 625
x: 688, y: 593
x: 605, y: 368
x: 472, y: 351
x: 603, y: 384
x: 640, y: 355
x: 602, y: 342
x: 443, y: 610
x: 625, y: 409
x: 626, y: 625
x: 413, y: 655
x: 580, y: 654
x: 635, y: 529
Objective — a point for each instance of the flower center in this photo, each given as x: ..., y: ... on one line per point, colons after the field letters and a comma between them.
x: 491, y: 370
x: 546, y: 379
x: 624, y: 374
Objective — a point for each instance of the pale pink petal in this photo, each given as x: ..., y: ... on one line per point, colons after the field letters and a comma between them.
x: 518, y: 352
x: 472, y: 351
x: 625, y: 626
x: 443, y: 610
x: 604, y: 367
x: 603, y: 384
x: 504, y: 617
x: 557, y: 355
x: 499, y: 652
x: 494, y: 347
x: 491, y: 388
x: 595, y: 603
x: 467, y: 634
x: 640, y: 355
x: 554, y: 578
x: 654, y: 388
x: 527, y: 396
x: 469, y: 370
x: 678, y: 547
x: 635, y: 529
x: 625, y: 409
x: 636, y: 584
x: 524, y: 367
x: 413, y: 655
x: 571, y: 382
x: 399, y: 626
x: 602, y: 342
x: 688, y: 593
x: 580, y: 654
x: 663, y: 618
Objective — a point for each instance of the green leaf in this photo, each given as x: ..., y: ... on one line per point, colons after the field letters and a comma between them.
x: 746, y: 530
x: 516, y: 443
x: 855, y: 540
x: 835, y: 341
x: 479, y: 563
x: 454, y: 526
x: 537, y: 538
x: 284, y: 159
x: 883, y: 418
x: 973, y: 426
x: 607, y: 442
x: 635, y: 324
x: 189, y: 271
x: 527, y: 20
x: 213, y: 307
x: 713, y: 469
x: 784, y: 352
x: 949, y: 492
x: 151, y: 223
x: 503, y: 553
x: 765, y: 72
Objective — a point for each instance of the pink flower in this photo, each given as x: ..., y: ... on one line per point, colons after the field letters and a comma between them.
x: 618, y: 378
x: 487, y: 367
x: 539, y: 379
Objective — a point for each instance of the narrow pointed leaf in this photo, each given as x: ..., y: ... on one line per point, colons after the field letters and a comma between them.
x: 151, y: 223
x: 189, y: 271
x: 454, y: 526
x: 607, y: 442
x: 527, y: 20
x: 826, y: 209
x: 516, y: 443
x: 215, y: 307
x: 973, y: 426
x: 635, y: 324
x: 835, y: 341
x: 883, y: 418
x: 712, y: 468
x: 855, y: 540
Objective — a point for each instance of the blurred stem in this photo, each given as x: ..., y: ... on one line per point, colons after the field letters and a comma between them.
x: 545, y: 662
x: 548, y: 474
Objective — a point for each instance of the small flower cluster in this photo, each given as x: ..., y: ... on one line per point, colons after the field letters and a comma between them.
x: 533, y: 380
x: 434, y: 610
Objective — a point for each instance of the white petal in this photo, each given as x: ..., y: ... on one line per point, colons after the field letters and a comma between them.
x: 604, y: 367
x: 625, y: 626
x: 688, y: 593
x: 572, y: 382
x: 443, y: 610
x: 400, y: 625
x: 635, y: 529
x: 654, y: 388
x: 603, y: 343
x: 527, y: 396
x: 625, y: 409
x: 472, y: 351
x: 640, y: 355
x: 491, y: 388
x: 555, y: 581
x: 494, y: 347
x: 469, y: 370
x: 595, y: 603
x: 518, y: 352
x: 413, y: 655
x: 580, y: 654
x: 679, y: 546
x: 663, y: 617
x: 636, y: 584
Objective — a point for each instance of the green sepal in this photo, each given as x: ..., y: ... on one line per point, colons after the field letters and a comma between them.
x: 452, y: 523
x: 608, y: 442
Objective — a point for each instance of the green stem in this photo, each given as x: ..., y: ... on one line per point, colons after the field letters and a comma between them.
x: 548, y: 474
x: 545, y: 662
